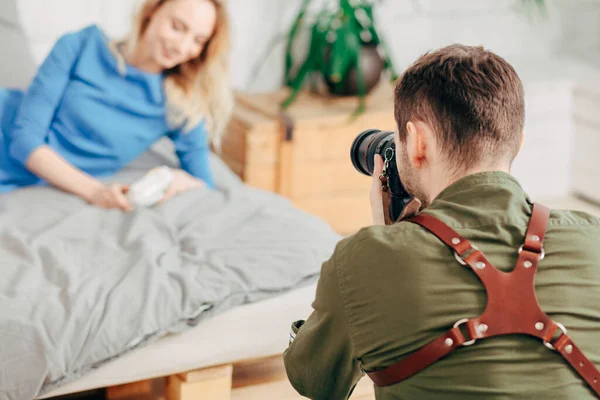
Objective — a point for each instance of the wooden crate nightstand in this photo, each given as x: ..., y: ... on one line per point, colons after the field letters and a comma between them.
x: 304, y: 153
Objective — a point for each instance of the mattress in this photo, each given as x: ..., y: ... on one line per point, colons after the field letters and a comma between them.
x: 246, y: 332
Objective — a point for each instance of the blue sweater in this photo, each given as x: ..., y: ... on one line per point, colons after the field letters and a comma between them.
x: 95, y: 117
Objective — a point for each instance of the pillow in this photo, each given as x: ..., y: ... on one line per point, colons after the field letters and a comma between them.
x: 43, y: 25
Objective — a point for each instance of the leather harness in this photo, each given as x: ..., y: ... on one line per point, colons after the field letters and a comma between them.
x: 512, y: 306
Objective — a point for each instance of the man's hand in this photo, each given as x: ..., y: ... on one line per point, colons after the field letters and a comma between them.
x: 112, y: 196
x: 182, y: 182
x: 376, y: 196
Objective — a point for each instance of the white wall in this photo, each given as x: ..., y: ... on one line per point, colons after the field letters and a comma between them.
x: 17, y: 63
x: 581, y: 30
x: 412, y: 27
x: 259, y: 28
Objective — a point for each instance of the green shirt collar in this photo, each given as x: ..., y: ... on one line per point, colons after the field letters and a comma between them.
x: 470, y: 189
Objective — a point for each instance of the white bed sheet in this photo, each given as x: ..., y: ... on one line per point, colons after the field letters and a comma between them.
x: 250, y: 331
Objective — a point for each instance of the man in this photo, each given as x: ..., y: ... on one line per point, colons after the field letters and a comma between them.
x: 389, y: 290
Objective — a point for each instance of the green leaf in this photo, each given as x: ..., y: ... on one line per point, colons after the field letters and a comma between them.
x: 542, y: 6
x: 314, y: 56
x: 346, y: 7
x: 341, y: 55
x: 296, y: 83
x: 319, y: 41
x: 354, y: 50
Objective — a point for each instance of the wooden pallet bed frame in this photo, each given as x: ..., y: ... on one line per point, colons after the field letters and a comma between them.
x: 210, y: 383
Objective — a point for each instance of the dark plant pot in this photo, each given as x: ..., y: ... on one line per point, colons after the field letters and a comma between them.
x: 372, y: 66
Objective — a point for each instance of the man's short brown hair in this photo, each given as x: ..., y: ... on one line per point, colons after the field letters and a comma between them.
x: 471, y: 97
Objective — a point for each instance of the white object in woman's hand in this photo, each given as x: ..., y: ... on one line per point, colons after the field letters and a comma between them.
x: 182, y: 182
x: 151, y: 187
x: 111, y: 196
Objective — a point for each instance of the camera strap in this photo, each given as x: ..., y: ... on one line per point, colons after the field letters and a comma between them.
x: 385, y: 191
x: 385, y: 196
x: 512, y: 306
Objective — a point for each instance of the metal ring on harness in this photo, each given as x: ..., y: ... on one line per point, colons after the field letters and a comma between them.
x: 457, y: 324
x: 542, y: 254
x: 564, y: 331
x: 460, y: 259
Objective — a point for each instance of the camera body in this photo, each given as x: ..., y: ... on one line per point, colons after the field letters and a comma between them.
x: 362, y: 154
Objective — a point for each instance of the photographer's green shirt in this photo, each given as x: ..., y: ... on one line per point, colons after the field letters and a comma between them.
x: 388, y: 290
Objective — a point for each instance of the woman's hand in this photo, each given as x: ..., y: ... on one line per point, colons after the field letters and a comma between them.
x: 182, y: 182
x: 111, y: 196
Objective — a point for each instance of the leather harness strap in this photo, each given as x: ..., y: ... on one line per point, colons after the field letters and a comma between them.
x: 512, y: 306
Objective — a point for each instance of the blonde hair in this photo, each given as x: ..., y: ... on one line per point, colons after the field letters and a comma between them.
x: 199, y: 88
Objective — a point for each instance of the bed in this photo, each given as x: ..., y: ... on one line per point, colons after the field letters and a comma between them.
x: 250, y: 332
x: 50, y: 346
x: 94, y: 298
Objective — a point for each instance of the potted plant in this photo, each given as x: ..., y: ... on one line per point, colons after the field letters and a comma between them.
x: 345, y: 50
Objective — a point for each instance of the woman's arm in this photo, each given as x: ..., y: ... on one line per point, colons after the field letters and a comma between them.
x: 28, y: 136
x: 39, y: 104
x: 193, y: 151
x: 48, y: 165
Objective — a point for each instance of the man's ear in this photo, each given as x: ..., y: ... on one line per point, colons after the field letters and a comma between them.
x: 416, y: 143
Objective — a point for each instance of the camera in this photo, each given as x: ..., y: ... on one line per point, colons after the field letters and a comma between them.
x: 362, y: 154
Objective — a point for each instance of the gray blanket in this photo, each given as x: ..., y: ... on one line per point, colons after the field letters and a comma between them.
x: 80, y: 285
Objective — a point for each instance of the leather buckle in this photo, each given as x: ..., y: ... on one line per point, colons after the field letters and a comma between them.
x: 542, y: 253
x: 564, y: 332
x: 459, y: 323
x: 461, y: 259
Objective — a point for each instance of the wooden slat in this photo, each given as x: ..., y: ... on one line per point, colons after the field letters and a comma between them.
x: 244, y: 111
x: 208, y: 374
x: 233, y: 142
x: 345, y: 213
x: 206, y: 384
x: 262, y: 177
x: 284, y: 175
x: 260, y: 371
x: 310, y: 106
x: 141, y: 389
x: 331, y: 139
x: 256, y: 175
x: 262, y: 144
x: 252, y: 143
x: 327, y: 178
x: 338, y: 138
x: 235, y: 165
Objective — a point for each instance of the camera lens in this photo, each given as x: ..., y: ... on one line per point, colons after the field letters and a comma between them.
x: 359, y: 149
x: 362, y: 154
x: 366, y: 145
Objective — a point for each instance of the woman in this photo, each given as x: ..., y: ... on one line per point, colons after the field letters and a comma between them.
x: 95, y: 105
